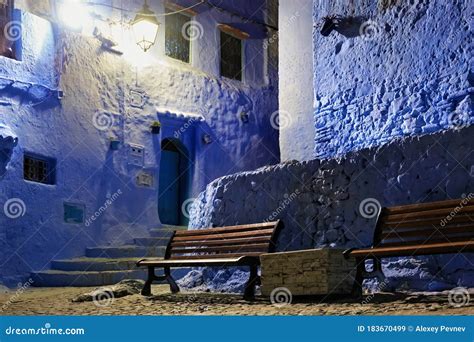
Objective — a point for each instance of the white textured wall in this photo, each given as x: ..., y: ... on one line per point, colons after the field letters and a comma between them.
x: 296, y: 80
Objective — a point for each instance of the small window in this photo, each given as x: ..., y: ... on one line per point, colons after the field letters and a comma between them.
x: 231, y: 56
x: 74, y: 213
x: 39, y: 169
x: 10, y: 30
x: 177, y: 43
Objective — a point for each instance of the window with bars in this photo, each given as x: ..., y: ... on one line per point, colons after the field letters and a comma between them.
x: 39, y: 169
x: 10, y: 30
x: 231, y: 56
x: 177, y: 40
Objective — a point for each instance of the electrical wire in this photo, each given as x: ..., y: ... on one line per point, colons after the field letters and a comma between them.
x: 158, y: 15
x: 206, y: 2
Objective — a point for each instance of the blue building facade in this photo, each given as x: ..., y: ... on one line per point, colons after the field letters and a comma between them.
x: 80, y: 163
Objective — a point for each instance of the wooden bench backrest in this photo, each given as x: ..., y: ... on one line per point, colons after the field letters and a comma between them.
x: 423, y: 223
x: 230, y: 241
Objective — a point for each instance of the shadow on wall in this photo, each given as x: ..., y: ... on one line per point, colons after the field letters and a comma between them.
x: 8, y: 141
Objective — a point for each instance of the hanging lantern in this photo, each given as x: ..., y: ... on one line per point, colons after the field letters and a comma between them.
x: 145, y: 27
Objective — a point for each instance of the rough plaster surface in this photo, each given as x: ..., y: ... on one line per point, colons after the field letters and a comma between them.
x: 413, y: 76
x: 319, y: 202
x: 101, y: 87
x: 297, y: 130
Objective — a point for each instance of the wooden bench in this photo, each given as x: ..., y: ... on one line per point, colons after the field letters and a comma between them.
x: 419, y: 229
x: 215, y: 247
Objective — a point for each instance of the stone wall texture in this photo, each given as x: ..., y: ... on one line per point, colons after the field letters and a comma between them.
x: 393, y: 68
x: 320, y: 201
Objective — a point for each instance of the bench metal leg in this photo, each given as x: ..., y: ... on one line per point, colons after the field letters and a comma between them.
x: 173, y: 286
x: 146, y: 291
x: 249, y: 293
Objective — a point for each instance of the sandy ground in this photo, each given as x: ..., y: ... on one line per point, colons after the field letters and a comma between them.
x: 57, y: 301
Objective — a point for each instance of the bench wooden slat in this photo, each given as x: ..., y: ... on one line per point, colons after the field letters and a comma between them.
x: 426, y: 206
x: 435, y: 248
x: 255, y: 247
x: 447, y: 231
x: 227, y: 229
x: 428, y: 214
x: 224, y: 261
x: 434, y: 239
x: 213, y: 256
x: 414, y: 223
x: 222, y: 236
x: 225, y: 242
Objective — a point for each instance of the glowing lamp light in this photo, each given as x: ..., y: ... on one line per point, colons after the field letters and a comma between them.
x: 73, y: 14
x: 145, y: 27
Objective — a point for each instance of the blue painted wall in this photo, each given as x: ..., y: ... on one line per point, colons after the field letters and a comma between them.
x: 392, y: 69
x: 108, y: 95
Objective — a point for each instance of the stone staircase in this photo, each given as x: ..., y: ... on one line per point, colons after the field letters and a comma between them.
x: 106, y: 265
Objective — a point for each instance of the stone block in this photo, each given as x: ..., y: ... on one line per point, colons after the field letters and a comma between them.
x: 308, y: 272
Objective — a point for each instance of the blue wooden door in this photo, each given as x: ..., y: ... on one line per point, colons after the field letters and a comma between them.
x: 169, y: 197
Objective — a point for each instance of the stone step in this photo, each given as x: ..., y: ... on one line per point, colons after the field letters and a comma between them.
x: 55, y: 278
x: 125, y: 252
x: 166, y: 231
x: 152, y: 241
x: 94, y: 264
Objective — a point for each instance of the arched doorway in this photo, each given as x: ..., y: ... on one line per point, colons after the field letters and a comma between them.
x: 173, y: 182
